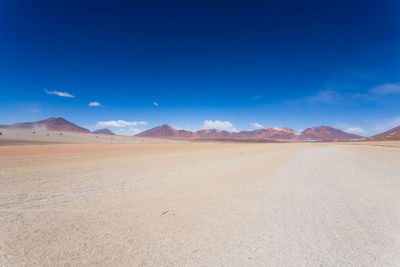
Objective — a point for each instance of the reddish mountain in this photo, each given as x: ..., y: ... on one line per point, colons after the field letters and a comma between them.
x: 274, y: 133
x: 51, y: 124
x: 103, y: 131
x: 322, y: 133
x: 211, y: 134
x: 393, y: 134
x: 326, y: 133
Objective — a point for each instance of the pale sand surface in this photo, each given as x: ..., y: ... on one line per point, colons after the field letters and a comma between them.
x: 32, y: 137
x: 376, y: 143
x: 200, y: 205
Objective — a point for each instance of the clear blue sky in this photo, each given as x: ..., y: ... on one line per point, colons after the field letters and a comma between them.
x: 278, y: 63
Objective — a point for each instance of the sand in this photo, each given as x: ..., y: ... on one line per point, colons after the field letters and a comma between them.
x: 33, y: 137
x: 162, y: 204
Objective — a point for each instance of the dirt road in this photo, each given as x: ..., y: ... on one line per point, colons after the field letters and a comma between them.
x: 200, y: 204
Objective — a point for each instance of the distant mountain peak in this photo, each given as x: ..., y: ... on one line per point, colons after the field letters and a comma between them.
x: 326, y: 133
x: 50, y: 124
x: 160, y: 131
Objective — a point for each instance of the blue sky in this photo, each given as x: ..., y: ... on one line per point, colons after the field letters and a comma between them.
x: 225, y: 64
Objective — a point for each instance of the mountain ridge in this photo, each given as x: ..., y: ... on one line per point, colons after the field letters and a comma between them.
x: 326, y: 133
x: 313, y: 134
x: 50, y: 124
x: 320, y: 133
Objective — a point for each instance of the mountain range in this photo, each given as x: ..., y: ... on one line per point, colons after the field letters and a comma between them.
x: 320, y: 133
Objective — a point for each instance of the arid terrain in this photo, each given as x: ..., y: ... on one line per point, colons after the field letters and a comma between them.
x: 200, y: 133
x: 33, y: 137
x: 153, y: 202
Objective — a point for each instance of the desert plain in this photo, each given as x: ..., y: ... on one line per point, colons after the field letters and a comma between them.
x: 78, y: 199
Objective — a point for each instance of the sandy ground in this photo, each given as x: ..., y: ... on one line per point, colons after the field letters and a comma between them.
x: 376, y: 143
x: 200, y: 205
x: 32, y: 137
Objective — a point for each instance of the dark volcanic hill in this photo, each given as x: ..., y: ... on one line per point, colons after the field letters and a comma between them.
x: 326, y: 133
x: 393, y: 134
x: 51, y: 124
x: 103, y: 131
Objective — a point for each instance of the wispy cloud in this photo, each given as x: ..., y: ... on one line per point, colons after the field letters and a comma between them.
x: 94, y: 104
x: 62, y: 94
x: 334, y: 96
x: 328, y: 96
x: 387, y: 124
x: 256, y: 97
x: 355, y: 130
x: 387, y: 89
x: 120, y: 123
x: 256, y: 125
x: 221, y: 125
x: 155, y: 104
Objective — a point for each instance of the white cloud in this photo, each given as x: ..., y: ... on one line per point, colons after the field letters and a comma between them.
x: 256, y: 125
x: 256, y: 97
x: 221, y: 125
x: 355, y: 130
x: 63, y: 94
x: 155, y: 104
x: 386, y: 89
x: 94, y: 104
x: 120, y: 123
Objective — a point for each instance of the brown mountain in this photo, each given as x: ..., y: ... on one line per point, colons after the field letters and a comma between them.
x: 166, y: 131
x: 326, y: 133
x: 103, y: 131
x: 51, y: 124
x: 393, y: 134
